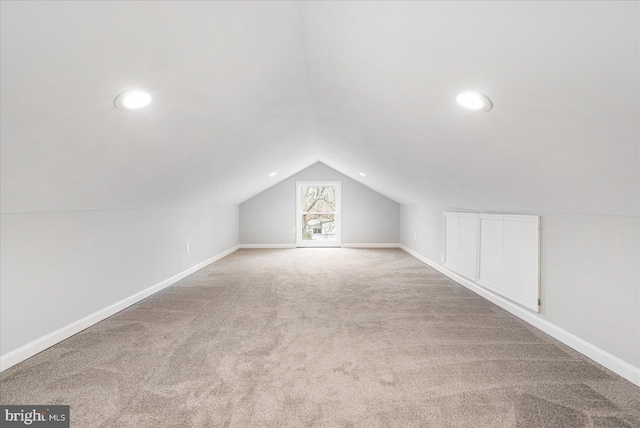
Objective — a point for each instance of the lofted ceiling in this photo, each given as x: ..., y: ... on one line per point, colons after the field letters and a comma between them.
x: 247, y: 88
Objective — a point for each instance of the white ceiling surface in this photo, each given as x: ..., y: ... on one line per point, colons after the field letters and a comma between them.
x: 233, y: 103
x: 247, y: 88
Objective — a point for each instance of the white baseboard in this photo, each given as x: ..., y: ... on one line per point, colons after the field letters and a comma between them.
x: 343, y: 245
x: 591, y: 351
x: 600, y: 356
x: 370, y: 245
x: 38, y: 345
x: 267, y: 245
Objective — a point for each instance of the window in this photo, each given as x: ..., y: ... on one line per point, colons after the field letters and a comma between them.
x: 318, y: 214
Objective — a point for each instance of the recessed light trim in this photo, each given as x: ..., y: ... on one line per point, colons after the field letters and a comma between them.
x: 471, y: 100
x: 273, y: 174
x: 135, y: 99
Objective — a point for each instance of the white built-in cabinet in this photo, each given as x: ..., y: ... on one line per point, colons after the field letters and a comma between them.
x: 461, y: 250
x: 500, y: 252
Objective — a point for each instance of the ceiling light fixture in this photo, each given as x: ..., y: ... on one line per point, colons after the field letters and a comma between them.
x: 471, y: 100
x: 272, y: 174
x: 362, y: 174
x: 134, y: 99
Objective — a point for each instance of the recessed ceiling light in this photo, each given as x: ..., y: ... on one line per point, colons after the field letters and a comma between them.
x: 472, y: 100
x: 362, y: 174
x: 134, y: 99
x: 272, y: 174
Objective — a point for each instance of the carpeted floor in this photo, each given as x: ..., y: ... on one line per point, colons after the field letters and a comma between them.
x: 320, y: 337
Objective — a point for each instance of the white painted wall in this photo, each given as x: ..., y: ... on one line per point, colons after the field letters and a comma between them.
x: 367, y: 216
x: 59, y: 267
x: 422, y: 229
x: 591, y: 280
x: 590, y: 275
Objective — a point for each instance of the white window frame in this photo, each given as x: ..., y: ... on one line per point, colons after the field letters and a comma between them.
x: 338, y: 215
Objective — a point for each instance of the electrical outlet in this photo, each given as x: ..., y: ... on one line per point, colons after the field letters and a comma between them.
x: 415, y: 235
x: 186, y: 247
x: 293, y: 230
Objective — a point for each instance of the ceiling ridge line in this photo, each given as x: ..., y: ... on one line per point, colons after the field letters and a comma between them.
x: 310, y: 104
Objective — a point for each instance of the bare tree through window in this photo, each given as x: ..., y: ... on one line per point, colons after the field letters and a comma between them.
x: 319, y: 212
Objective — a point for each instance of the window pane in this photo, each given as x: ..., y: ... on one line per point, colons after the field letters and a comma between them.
x: 318, y: 227
x: 318, y: 199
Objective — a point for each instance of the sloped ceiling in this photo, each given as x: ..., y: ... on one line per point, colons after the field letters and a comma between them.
x: 247, y: 88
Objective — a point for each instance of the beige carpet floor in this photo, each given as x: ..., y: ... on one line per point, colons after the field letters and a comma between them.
x: 320, y: 337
